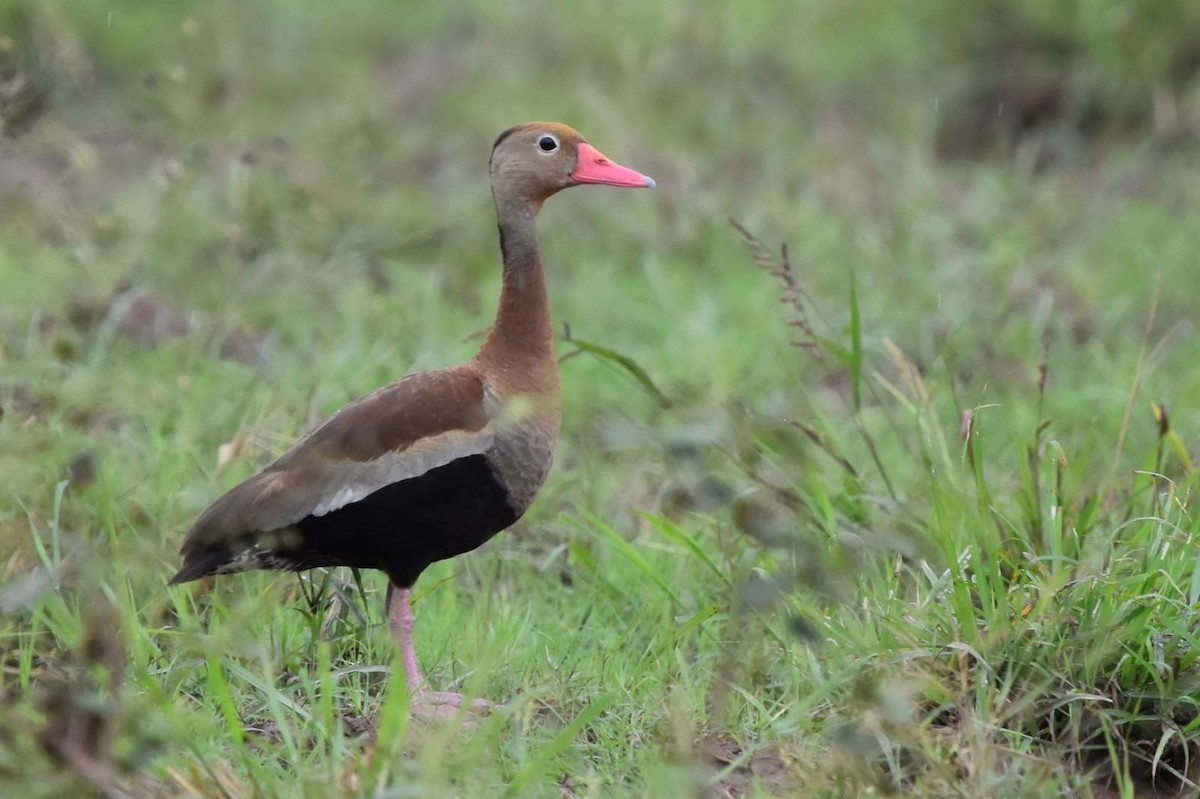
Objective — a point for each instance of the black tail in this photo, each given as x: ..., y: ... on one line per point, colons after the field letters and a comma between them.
x: 201, y: 564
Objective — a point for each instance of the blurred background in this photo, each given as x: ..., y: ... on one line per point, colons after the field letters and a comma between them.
x: 271, y: 184
x: 221, y: 220
x: 252, y: 175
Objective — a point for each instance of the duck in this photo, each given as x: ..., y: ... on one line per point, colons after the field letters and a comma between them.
x: 435, y: 464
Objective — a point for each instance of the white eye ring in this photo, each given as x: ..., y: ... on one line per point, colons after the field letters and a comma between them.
x: 547, y: 143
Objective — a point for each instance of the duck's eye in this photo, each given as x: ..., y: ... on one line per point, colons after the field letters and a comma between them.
x: 547, y: 143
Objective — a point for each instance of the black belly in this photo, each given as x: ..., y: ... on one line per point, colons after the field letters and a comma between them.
x: 404, y: 527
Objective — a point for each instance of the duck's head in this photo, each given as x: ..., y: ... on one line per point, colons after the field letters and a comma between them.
x: 533, y: 161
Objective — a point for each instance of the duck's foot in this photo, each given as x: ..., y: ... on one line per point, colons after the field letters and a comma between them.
x: 429, y: 705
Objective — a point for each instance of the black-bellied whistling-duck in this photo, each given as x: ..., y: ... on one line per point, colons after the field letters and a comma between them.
x: 436, y: 463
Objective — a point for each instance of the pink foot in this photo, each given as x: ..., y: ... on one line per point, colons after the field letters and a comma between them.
x: 429, y: 705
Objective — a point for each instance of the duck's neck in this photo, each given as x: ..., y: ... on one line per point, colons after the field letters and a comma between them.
x: 522, y: 333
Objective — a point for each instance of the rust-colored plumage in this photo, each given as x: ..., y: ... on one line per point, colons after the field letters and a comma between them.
x: 436, y: 463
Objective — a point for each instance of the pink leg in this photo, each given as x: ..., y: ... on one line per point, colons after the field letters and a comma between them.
x: 422, y: 703
x: 402, y: 626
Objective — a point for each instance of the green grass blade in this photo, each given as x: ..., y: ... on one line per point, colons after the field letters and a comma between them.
x: 855, y: 360
x: 629, y: 552
x: 639, y: 375
x: 538, y: 766
x: 687, y: 541
x: 218, y: 688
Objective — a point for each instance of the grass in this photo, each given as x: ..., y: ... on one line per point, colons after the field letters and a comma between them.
x: 906, y: 507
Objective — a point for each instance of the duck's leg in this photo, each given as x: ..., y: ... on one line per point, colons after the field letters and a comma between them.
x: 422, y: 703
x: 402, y: 627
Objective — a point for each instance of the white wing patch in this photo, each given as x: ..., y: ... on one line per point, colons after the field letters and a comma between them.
x: 344, y: 496
x: 357, y: 481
